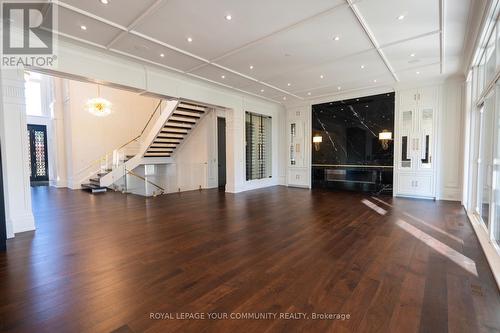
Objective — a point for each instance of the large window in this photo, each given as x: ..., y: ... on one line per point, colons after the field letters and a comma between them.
x: 33, y: 93
x: 258, y: 146
x: 484, y: 182
x: 485, y: 162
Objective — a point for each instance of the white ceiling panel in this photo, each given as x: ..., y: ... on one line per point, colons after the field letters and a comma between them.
x: 265, y: 91
x: 335, y: 73
x: 213, y: 35
x: 414, y: 53
x: 96, y: 32
x: 217, y: 74
x: 420, y: 74
x: 420, y: 17
x: 305, y: 45
x: 123, y: 12
x: 363, y: 83
x: 145, y: 49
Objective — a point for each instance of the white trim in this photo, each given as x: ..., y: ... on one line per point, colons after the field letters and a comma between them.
x: 490, y: 248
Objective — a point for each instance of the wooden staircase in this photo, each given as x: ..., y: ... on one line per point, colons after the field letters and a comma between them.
x: 162, y: 143
x: 182, y: 121
x: 94, y: 184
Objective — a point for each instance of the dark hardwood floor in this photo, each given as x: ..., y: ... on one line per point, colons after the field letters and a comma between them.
x: 101, y: 263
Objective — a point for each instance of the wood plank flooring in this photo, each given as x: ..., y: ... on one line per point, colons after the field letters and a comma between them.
x: 104, y: 263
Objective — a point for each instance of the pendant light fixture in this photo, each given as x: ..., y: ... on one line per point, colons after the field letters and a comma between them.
x: 98, y: 106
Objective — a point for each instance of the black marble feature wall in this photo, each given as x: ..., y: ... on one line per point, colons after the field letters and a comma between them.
x: 351, y: 154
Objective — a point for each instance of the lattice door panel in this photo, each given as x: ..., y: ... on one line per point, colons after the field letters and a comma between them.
x: 37, y: 136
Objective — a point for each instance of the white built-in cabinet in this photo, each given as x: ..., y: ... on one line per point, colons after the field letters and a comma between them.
x: 416, y: 142
x: 298, y: 139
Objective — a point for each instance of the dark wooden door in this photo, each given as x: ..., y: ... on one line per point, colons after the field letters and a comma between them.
x: 39, y: 163
x: 3, y: 224
x: 221, y: 150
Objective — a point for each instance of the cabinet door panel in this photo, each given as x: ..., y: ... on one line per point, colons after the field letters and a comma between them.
x: 426, y: 141
x: 423, y: 185
x: 408, y: 97
x: 414, y: 184
x: 296, y: 134
x: 405, y: 184
x: 407, y: 142
x: 427, y: 97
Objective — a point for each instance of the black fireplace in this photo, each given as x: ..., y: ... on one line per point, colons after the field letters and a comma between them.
x: 353, y: 144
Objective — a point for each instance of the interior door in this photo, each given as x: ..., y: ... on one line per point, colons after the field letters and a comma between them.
x: 39, y: 164
x: 3, y: 225
x: 221, y: 151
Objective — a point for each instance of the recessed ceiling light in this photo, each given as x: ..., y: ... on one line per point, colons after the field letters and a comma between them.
x: 229, y: 17
x: 162, y: 55
x: 284, y: 98
x: 339, y: 87
x: 321, y: 76
x: 375, y: 81
x: 189, y: 39
x: 336, y: 38
x: 418, y: 72
x: 104, y: 2
x: 251, y: 66
x: 308, y: 94
x: 262, y: 90
x: 412, y: 55
x: 401, y: 17
x: 83, y: 27
x: 222, y: 76
x: 362, y: 66
x: 289, y: 84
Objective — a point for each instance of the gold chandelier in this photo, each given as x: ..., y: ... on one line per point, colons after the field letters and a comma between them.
x: 98, y: 106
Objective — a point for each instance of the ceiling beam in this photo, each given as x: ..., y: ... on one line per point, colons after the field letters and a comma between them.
x: 372, y: 38
x: 136, y: 33
x: 135, y: 22
x: 128, y: 55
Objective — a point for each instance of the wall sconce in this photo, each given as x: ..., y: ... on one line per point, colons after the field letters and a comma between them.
x: 384, y: 137
x: 317, y: 139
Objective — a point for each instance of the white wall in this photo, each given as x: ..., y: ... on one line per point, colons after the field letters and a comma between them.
x: 451, y: 141
x: 89, y: 137
x: 13, y: 139
x: 195, y: 158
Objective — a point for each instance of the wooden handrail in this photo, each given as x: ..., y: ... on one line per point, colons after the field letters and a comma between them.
x: 129, y: 172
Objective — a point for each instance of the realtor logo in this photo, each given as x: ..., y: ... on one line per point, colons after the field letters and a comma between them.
x: 28, y: 37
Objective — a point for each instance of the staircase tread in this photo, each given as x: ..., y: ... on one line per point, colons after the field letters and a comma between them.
x: 93, y: 186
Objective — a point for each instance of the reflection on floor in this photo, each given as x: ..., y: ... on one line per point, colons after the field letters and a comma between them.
x: 99, y: 263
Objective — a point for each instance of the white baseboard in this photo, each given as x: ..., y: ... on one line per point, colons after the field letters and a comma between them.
x: 58, y: 184
x: 490, y: 249
x: 450, y: 194
x: 22, y: 222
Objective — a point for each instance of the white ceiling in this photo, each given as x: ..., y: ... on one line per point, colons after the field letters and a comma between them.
x: 290, y: 45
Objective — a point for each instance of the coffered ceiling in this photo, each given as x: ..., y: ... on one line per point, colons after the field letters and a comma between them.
x: 280, y: 49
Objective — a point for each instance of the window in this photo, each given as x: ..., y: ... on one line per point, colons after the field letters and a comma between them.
x: 258, y: 146
x: 484, y: 148
x: 484, y: 185
x: 33, y: 94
